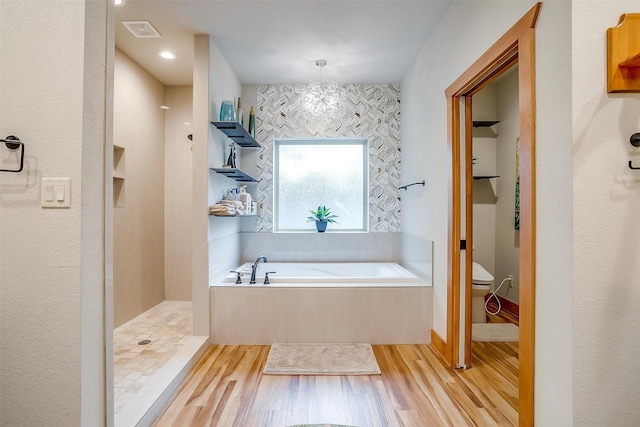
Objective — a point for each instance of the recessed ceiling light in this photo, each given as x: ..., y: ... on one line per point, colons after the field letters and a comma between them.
x: 166, y: 54
x: 164, y: 107
x: 120, y: 2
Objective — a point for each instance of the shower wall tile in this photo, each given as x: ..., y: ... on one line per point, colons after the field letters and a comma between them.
x: 370, y: 111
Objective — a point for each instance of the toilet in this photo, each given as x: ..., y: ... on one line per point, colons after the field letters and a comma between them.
x: 482, y: 282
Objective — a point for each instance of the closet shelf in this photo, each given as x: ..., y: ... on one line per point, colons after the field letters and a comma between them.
x: 485, y: 177
x: 235, y: 173
x: 237, y: 133
x: 484, y: 123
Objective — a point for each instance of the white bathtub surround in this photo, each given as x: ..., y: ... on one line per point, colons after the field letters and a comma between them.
x: 223, y: 255
x: 417, y: 255
x: 335, y: 274
x: 263, y: 315
x: 323, y: 310
x: 329, y: 247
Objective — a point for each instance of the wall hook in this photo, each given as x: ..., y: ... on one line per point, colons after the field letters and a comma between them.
x: 13, y: 143
x: 635, y: 141
x: 404, y: 187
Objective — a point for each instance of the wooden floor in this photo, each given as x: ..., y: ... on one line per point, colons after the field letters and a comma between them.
x: 227, y: 388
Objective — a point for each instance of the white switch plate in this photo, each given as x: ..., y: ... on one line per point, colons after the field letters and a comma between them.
x: 55, y: 192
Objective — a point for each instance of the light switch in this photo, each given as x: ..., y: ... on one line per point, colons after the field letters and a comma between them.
x: 59, y: 193
x: 48, y: 193
x: 55, y: 193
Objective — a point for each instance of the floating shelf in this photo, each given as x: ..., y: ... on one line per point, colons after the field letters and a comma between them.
x: 237, y: 133
x: 492, y: 183
x: 236, y: 174
x: 486, y: 177
x: 484, y: 123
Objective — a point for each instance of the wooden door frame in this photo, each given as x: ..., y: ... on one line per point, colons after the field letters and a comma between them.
x: 516, y: 45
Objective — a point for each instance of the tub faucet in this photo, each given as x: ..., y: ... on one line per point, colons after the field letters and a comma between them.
x: 254, y: 269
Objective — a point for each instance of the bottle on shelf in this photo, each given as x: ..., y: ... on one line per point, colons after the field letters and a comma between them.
x: 239, y: 114
x: 252, y: 123
x: 245, y: 198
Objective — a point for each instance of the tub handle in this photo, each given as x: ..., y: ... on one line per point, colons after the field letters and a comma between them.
x: 238, y: 276
x: 266, y: 277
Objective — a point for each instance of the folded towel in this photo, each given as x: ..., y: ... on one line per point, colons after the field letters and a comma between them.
x: 236, y: 203
x: 222, y: 210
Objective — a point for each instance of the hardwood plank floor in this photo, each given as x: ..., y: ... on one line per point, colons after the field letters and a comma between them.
x: 227, y: 388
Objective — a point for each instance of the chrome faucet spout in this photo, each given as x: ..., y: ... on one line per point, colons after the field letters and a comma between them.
x: 254, y: 269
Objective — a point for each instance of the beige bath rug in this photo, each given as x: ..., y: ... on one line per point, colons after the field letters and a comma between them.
x: 320, y: 425
x: 321, y: 359
x: 495, y: 332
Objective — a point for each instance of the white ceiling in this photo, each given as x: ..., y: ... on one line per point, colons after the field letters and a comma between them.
x: 278, y: 41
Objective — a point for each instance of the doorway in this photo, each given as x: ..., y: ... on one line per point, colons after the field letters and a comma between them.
x: 515, y: 46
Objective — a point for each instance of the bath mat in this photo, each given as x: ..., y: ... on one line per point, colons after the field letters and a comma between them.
x: 495, y: 332
x: 320, y: 425
x: 321, y: 359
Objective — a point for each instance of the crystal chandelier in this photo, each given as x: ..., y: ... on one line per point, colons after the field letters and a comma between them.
x: 320, y: 100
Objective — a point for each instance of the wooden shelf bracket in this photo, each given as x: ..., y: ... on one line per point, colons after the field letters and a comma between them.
x: 623, y: 55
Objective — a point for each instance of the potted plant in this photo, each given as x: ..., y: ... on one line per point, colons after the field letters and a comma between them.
x: 322, y: 216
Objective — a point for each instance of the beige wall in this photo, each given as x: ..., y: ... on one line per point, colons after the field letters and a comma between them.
x: 456, y: 44
x: 53, y: 81
x: 138, y: 126
x: 215, y: 242
x: 178, y: 176
x: 606, y: 230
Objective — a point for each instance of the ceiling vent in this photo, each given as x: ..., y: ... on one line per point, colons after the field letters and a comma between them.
x: 142, y: 29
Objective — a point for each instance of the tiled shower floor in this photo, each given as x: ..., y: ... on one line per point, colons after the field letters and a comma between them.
x: 167, y: 326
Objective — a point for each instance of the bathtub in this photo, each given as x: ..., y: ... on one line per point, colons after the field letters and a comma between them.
x: 307, y: 274
x: 378, y: 303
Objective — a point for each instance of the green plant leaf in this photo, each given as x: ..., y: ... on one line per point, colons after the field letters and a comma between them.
x: 321, y: 214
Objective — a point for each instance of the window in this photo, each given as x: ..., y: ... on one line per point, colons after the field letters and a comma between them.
x: 321, y: 172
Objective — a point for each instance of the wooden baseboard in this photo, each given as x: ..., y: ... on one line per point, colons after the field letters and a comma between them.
x: 440, y: 346
x: 509, y: 307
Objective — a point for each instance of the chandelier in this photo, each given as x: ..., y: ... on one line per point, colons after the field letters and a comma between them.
x: 320, y: 100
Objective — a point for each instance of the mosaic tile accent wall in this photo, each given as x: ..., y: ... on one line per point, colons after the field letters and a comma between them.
x: 369, y: 111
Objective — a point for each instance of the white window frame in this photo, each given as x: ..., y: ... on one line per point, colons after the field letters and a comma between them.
x: 364, y: 142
